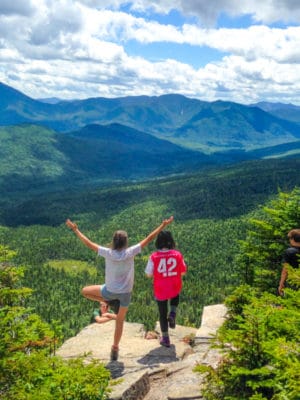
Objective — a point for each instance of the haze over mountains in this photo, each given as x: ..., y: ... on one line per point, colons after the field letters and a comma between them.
x: 104, y: 139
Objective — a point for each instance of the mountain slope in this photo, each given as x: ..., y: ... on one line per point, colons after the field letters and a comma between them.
x: 32, y: 156
x: 286, y: 150
x: 217, y: 194
x: 189, y: 122
x: 289, y: 112
x: 16, y: 108
x: 124, y: 153
x: 222, y: 125
x: 29, y: 157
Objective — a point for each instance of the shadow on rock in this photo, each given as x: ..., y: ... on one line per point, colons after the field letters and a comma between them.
x: 116, y: 369
x: 161, y: 355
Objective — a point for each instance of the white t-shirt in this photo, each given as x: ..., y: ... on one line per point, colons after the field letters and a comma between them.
x: 119, y: 268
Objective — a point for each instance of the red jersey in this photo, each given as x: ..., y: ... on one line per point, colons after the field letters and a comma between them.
x: 166, y: 266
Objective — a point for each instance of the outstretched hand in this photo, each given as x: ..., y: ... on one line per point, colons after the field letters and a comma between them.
x: 71, y: 225
x: 85, y: 240
x: 168, y: 221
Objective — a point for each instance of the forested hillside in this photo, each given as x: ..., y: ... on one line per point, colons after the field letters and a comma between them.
x: 35, y: 158
x: 216, y: 193
x: 209, y: 210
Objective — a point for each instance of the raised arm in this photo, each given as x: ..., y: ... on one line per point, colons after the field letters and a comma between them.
x: 91, y: 245
x: 156, y: 231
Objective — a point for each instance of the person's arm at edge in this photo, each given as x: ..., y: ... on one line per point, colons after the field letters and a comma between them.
x: 103, y: 318
x: 156, y: 231
x: 109, y: 316
x: 85, y: 240
x: 284, y: 274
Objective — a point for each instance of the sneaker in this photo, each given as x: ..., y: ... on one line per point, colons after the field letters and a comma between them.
x: 114, y: 354
x: 165, y: 341
x: 171, y: 320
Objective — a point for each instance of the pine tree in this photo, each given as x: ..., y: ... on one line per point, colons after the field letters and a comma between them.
x: 29, y: 368
x: 261, y: 336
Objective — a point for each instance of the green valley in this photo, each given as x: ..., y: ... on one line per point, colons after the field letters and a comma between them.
x: 210, y: 210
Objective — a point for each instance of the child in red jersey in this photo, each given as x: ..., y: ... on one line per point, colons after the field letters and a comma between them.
x: 166, y: 266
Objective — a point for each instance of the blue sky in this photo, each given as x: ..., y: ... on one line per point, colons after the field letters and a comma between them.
x: 220, y: 49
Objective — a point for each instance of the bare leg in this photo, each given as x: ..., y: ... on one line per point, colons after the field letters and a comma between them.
x: 92, y: 292
x: 119, y: 326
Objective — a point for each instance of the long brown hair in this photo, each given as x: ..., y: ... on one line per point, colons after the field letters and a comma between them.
x: 120, y: 240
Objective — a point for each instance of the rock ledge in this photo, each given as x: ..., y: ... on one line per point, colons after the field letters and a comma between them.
x: 147, y: 370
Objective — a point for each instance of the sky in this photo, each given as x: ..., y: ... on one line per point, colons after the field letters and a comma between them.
x: 244, y: 51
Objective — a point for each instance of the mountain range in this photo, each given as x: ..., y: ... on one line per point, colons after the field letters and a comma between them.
x: 139, y: 137
x: 204, y: 126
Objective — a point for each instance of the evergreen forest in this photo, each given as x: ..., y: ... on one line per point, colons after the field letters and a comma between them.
x: 230, y: 224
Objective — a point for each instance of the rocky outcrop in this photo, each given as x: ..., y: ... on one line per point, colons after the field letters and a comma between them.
x: 147, y: 370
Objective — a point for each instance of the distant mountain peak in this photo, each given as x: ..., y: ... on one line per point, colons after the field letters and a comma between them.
x: 191, y: 123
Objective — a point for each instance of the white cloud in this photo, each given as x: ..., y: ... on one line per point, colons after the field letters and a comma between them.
x: 255, y: 42
x: 61, y: 20
x: 266, y: 11
x: 79, y: 49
